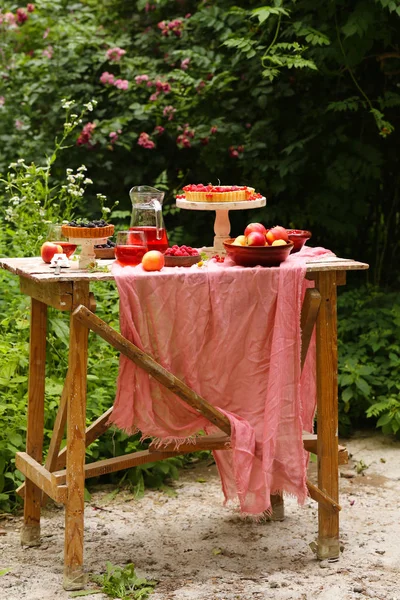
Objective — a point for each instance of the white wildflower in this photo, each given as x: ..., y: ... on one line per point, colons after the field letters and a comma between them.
x: 67, y: 103
x: 20, y: 161
x: 71, y: 178
x: 69, y: 171
x: 68, y: 124
x: 87, y: 181
x: 106, y: 209
x: 82, y: 168
x: 12, y: 165
x: 73, y: 117
x: 89, y: 106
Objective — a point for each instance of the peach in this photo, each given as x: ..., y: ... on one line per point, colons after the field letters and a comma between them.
x: 48, y: 250
x: 256, y: 238
x: 254, y: 227
x: 279, y: 243
x: 240, y: 241
x: 153, y: 261
x: 277, y: 233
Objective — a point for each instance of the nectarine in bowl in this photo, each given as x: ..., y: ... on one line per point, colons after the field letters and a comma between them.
x: 298, y: 237
x: 251, y: 256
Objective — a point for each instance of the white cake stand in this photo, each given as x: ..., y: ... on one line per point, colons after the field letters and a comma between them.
x: 87, y: 257
x: 222, y: 225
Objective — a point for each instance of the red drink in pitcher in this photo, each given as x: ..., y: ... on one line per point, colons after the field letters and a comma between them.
x: 151, y: 237
x: 67, y: 247
x: 130, y: 254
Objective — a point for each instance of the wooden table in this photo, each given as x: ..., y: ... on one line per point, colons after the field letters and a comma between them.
x: 63, y: 475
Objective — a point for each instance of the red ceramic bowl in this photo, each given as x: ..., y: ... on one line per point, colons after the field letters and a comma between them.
x: 181, y: 261
x: 251, y: 256
x: 298, y: 237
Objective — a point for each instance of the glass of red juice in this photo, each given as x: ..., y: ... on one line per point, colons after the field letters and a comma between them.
x: 131, y: 247
x: 55, y: 235
x: 156, y: 239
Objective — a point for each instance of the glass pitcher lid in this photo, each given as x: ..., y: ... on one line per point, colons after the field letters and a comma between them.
x: 145, y: 193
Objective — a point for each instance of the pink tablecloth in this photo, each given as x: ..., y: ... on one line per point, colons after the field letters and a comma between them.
x: 233, y: 335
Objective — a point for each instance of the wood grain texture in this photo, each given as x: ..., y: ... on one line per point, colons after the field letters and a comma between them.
x: 75, y: 454
x: 143, y: 360
x: 327, y: 415
x: 324, y: 501
x: 94, y: 431
x: 30, y: 532
x: 56, y: 294
x: 34, y: 268
x: 309, y: 312
x: 42, y: 478
x: 118, y: 463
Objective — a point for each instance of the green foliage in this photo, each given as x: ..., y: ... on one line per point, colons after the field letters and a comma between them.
x: 308, y: 91
x: 369, y: 359
x: 321, y: 78
x: 123, y: 583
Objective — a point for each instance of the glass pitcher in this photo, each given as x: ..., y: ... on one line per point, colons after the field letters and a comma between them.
x: 147, y: 216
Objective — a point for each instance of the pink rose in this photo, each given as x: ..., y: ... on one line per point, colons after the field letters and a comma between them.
x: 115, y: 54
x: 121, y: 84
x: 21, y: 15
x: 30, y: 7
x: 145, y: 141
x: 48, y: 52
x: 107, y: 78
x: 141, y: 78
x: 185, y: 63
x: 85, y: 135
x: 159, y: 129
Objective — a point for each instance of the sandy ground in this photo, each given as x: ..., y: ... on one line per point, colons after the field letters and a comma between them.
x: 197, y: 549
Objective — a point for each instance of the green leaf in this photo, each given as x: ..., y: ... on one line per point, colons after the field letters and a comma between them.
x: 363, y: 386
x: 263, y: 13
x: 384, y: 420
x: 4, y: 571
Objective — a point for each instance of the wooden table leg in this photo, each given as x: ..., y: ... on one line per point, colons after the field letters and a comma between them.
x: 75, y: 455
x: 30, y: 533
x: 327, y: 414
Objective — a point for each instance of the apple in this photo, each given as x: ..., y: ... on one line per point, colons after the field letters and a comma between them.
x: 279, y: 243
x: 254, y: 227
x: 48, y: 250
x: 240, y: 241
x: 153, y: 261
x: 277, y: 233
x: 256, y: 238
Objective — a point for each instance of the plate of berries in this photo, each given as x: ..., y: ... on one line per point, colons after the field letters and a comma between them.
x: 181, y: 256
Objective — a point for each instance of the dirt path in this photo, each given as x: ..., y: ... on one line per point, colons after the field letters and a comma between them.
x: 199, y: 550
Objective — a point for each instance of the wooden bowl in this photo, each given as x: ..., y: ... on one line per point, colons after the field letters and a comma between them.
x: 251, y: 256
x: 104, y: 252
x: 181, y: 261
x: 298, y: 237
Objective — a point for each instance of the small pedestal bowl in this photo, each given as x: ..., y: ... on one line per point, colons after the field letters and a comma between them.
x: 298, y: 237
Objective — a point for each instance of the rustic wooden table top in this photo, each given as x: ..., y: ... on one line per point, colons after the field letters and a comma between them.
x: 34, y: 268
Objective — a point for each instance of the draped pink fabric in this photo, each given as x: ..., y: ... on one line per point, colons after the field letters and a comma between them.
x: 233, y: 335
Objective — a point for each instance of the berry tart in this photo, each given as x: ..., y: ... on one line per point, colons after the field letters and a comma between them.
x: 87, y: 229
x: 218, y: 193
